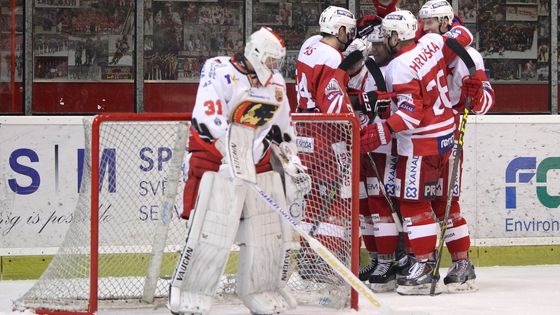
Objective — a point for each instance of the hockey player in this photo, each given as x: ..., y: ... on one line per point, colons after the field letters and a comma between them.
x: 439, y: 19
x: 321, y: 80
x: 244, y: 89
x: 423, y: 125
x: 378, y: 228
x: 320, y: 84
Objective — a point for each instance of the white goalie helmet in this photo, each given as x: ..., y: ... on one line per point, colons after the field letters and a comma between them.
x: 402, y: 22
x: 333, y: 18
x: 265, y: 50
x: 436, y: 9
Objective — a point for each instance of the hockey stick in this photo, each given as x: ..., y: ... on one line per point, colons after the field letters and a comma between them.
x: 239, y: 156
x: 466, y: 58
x: 160, y: 236
x: 375, y: 72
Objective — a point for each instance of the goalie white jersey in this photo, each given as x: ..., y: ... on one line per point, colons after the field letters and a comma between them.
x: 227, y: 93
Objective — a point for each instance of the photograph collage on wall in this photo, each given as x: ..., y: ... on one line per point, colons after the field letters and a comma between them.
x: 11, y: 51
x: 513, y: 37
x: 294, y: 21
x: 181, y: 35
x: 83, y: 39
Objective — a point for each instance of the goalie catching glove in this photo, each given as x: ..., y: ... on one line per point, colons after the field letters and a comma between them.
x: 287, y: 153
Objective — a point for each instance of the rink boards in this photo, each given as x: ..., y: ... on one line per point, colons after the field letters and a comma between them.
x: 510, y: 194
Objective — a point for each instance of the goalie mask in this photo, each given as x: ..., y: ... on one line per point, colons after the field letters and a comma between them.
x: 333, y: 18
x: 402, y: 22
x: 437, y: 9
x: 265, y: 50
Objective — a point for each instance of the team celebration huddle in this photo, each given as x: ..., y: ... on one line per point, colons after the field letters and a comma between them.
x: 411, y: 82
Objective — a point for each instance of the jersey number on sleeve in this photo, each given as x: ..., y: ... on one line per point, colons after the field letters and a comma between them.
x: 213, y: 108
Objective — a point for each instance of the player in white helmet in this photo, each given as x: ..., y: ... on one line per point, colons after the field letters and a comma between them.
x: 423, y: 125
x: 439, y: 18
x: 379, y: 231
x: 320, y: 84
x: 244, y: 89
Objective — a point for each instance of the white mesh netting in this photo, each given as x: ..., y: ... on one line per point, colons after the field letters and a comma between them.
x: 139, y: 171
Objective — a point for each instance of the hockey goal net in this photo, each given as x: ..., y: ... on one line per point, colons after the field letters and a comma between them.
x: 126, y: 235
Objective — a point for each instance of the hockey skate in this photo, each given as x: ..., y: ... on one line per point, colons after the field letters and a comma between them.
x: 366, y: 271
x: 419, y: 279
x: 403, y: 265
x: 383, y: 278
x: 460, y: 277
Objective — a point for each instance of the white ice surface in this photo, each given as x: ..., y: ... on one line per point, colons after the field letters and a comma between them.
x: 532, y: 290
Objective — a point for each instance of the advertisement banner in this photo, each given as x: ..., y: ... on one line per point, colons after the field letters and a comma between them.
x: 43, y: 173
x: 510, y: 188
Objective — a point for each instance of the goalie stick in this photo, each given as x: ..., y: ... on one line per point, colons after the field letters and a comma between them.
x: 466, y: 58
x: 375, y: 72
x: 239, y: 148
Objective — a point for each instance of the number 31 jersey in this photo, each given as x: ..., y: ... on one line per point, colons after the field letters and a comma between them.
x: 226, y: 94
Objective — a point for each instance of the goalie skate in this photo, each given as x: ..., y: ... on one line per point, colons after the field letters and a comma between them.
x: 460, y: 277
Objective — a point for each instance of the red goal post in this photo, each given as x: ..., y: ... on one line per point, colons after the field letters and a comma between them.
x: 108, y: 255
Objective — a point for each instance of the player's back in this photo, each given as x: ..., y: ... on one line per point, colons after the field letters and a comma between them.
x: 316, y: 62
x: 418, y: 76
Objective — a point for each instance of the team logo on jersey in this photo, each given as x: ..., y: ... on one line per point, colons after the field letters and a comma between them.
x: 445, y: 143
x: 454, y: 33
x: 253, y: 114
x: 332, y: 86
x: 405, y: 102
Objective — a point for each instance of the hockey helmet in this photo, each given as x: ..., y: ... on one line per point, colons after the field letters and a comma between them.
x: 333, y: 18
x: 437, y: 9
x: 402, y: 22
x: 265, y: 50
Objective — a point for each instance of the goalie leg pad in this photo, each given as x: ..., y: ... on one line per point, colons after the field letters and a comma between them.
x: 211, y: 234
x: 264, y: 258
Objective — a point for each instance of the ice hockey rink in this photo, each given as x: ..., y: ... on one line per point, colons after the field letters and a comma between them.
x: 503, y: 290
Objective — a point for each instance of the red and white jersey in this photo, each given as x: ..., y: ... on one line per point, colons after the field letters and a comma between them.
x: 424, y: 120
x: 365, y: 82
x: 458, y: 71
x: 320, y: 85
x: 227, y: 93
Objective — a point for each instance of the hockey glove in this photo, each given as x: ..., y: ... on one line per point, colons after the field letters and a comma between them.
x: 385, y: 7
x: 352, y: 59
x: 371, y: 103
x: 358, y: 44
x: 366, y: 24
x: 375, y: 135
x: 473, y: 88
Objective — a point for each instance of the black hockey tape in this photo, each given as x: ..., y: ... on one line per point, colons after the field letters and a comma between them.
x: 463, y: 54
